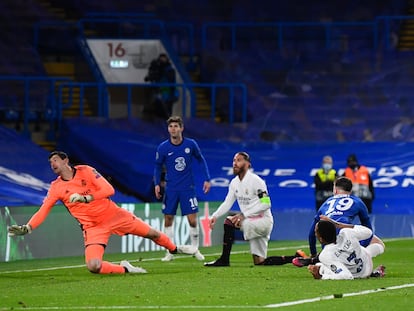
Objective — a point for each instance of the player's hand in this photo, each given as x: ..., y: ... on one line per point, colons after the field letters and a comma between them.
x: 325, y: 218
x: 76, y: 197
x: 206, y: 186
x: 213, y: 221
x: 19, y: 230
x: 157, y: 190
x: 314, y: 270
x: 236, y: 219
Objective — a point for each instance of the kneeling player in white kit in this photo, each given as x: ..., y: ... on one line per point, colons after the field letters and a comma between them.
x: 255, y: 218
x: 342, y: 257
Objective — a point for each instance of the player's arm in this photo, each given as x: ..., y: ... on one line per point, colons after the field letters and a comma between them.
x: 359, y: 231
x: 264, y: 200
x: 339, y: 225
x: 202, y: 160
x: 48, y: 202
x: 364, y: 216
x: 312, y: 238
x: 224, y: 207
x: 325, y: 272
x: 158, y: 169
x: 101, y: 189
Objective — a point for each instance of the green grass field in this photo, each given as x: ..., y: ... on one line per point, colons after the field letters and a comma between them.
x: 65, y: 284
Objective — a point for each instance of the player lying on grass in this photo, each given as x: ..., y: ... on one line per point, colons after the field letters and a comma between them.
x: 86, y: 194
x: 343, y: 257
x: 342, y: 207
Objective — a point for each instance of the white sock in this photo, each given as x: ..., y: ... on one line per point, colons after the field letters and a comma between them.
x: 194, y: 236
x: 375, y: 249
x: 169, y: 231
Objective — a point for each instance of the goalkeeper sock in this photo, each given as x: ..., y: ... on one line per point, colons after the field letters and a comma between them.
x: 107, y: 268
x: 228, y: 240
x: 165, y: 242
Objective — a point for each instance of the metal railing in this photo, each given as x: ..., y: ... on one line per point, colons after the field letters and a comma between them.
x: 236, y: 98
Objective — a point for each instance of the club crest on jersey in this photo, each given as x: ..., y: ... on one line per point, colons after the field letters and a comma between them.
x: 187, y: 150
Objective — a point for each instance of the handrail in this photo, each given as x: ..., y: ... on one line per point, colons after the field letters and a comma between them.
x: 27, y: 107
x: 80, y: 25
x: 282, y: 27
x: 103, y: 101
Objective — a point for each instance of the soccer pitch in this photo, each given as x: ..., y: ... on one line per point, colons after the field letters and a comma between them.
x: 184, y: 283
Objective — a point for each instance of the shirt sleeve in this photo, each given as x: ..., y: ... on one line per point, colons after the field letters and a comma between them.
x: 312, y: 237
x: 200, y: 158
x: 360, y: 232
x: 263, y: 198
x: 103, y: 189
x: 364, y: 217
x: 226, y: 205
x: 48, y: 202
x: 158, y: 166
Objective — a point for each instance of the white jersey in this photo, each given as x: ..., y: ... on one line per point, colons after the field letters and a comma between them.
x: 246, y: 192
x: 254, y: 202
x: 346, y: 259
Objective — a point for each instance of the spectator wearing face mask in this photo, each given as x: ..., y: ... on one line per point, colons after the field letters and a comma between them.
x: 324, y: 179
x: 362, y: 185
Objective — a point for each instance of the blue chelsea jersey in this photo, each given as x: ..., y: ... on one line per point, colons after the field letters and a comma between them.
x: 178, y: 162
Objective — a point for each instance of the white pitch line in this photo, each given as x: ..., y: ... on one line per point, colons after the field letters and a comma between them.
x: 364, y: 292
x: 271, y: 306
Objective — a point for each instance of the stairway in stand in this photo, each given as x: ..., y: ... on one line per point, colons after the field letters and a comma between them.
x: 202, y: 94
x: 63, y: 64
x: 406, y: 35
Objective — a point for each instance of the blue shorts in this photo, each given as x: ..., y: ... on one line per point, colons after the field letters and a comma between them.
x: 187, y: 200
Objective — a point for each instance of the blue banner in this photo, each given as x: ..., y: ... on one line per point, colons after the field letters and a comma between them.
x: 127, y: 159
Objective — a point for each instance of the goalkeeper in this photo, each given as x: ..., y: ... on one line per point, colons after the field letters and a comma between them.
x: 86, y: 195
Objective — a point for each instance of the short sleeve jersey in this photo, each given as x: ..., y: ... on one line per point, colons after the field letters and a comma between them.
x: 178, y: 160
x: 348, y: 253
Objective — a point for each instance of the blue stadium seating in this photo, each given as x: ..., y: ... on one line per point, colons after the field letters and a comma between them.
x: 300, y: 92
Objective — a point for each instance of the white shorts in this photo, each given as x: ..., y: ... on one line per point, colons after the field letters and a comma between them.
x: 257, y: 232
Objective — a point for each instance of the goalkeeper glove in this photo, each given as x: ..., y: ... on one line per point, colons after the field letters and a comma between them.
x: 76, y: 197
x: 19, y: 230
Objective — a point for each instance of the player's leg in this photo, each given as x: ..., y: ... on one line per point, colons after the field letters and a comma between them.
x: 95, y: 242
x: 258, y: 249
x: 282, y: 260
x: 94, y: 263
x: 189, y: 207
x: 194, y: 235
x: 169, y: 209
x: 228, y: 240
x: 376, y: 247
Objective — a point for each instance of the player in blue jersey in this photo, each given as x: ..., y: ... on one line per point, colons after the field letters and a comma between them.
x: 176, y: 155
x: 341, y: 207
